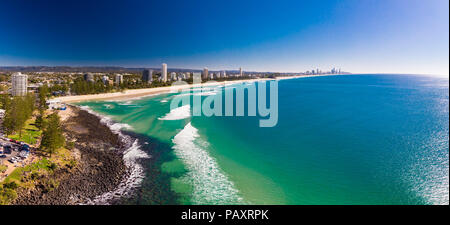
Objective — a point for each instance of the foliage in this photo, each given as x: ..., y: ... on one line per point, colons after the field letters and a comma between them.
x: 3, y: 168
x: 7, y: 195
x: 30, y: 133
x: 39, y: 122
x: 52, y: 136
x: 43, y: 94
x: 11, y: 185
x: 17, y: 111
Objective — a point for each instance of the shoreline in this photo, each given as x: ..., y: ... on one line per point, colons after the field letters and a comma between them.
x: 100, y: 166
x: 137, y: 93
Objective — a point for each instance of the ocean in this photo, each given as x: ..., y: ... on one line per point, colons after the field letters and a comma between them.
x: 351, y: 139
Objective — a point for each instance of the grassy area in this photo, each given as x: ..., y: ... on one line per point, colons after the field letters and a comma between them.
x: 34, y: 173
x: 30, y: 133
x: 3, y: 168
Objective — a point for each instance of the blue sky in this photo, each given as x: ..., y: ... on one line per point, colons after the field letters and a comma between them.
x: 361, y: 36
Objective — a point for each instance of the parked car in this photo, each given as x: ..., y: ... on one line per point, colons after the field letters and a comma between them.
x: 2, y: 156
x: 25, y: 147
x: 7, y: 149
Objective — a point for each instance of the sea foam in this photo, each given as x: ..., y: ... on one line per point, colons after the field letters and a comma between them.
x: 210, y: 185
x: 179, y: 113
x: 131, y: 157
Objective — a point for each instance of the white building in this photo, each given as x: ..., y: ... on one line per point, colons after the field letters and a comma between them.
x: 173, y: 76
x: 105, y: 80
x: 240, y: 71
x: 119, y: 79
x: 196, y: 76
x: 205, y: 73
x: 164, y: 72
x: 19, y: 84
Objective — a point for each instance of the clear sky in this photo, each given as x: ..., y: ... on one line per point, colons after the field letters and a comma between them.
x: 365, y: 36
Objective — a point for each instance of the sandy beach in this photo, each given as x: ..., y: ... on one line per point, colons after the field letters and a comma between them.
x: 135, y: 93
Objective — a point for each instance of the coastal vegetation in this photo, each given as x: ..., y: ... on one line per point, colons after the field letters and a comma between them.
x: 18, y: 110
x: 37, y: 174
x: 30, y: 132
x: 82, y: 87
x: 52, y: 136
x: 2, y: 168
x: 21, y: 123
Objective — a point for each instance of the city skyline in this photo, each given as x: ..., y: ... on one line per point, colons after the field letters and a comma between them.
x: 290, y: 36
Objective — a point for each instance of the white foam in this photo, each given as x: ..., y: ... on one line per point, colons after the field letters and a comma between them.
x: 210, y: 185
x: 179, y: 113
x: 126, y: 103
x: 131, y: 156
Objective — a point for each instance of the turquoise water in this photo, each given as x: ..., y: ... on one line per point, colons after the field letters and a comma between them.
x: 359, y: 139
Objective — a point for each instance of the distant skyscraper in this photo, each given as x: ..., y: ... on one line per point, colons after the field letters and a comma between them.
x: 205, y: 73
x: 164, y: 72
x: 19, y: 84
x: 240, y: 71
x: 89, y: 77
x: 147, y: 76
x: 224, y: 74
x: 119, y: 79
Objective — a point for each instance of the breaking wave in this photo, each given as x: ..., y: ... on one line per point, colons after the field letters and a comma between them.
x: 131, y: 156
x: 210, y: 185
x: 179, y: 113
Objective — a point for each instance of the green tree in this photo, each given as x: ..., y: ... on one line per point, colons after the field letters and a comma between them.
x: 43, y: 94
x: 16, y: 114
x: 39, y: 122
x: 52, y: 137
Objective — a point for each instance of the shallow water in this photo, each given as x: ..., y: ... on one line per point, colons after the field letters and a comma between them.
x: 360, y: 139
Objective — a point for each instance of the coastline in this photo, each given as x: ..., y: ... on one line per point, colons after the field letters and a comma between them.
x: 128, y: 153
x: 137, y: 93
x: 100, y: 166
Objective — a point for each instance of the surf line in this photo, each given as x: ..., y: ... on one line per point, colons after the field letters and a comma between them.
x: 213, y: 105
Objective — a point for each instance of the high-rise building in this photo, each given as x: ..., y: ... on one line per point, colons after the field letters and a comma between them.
x: 240, y: 71
x: 19, y: 84
x: 147, y: 76
x: 105, y: 80
x: 196, y: 77
x: 164, y: 72
x: 224, y: 74
x: 89, y: 77
x: 205, y: 73
x: 119, y: 79
x: 173, y: 76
